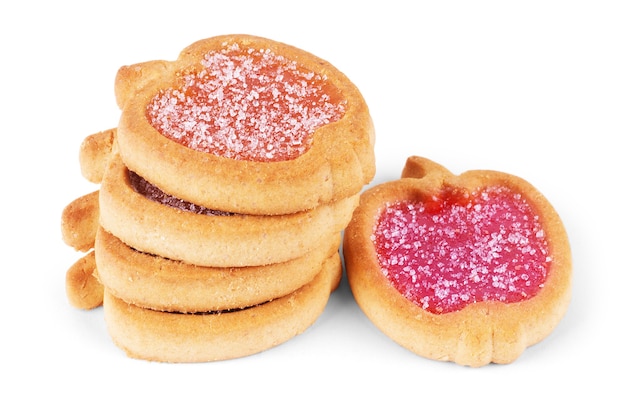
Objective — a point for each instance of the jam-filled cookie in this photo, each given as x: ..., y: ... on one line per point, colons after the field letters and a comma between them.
x: 471, y: 268
x: 151, y: 221
x: 245, y: 124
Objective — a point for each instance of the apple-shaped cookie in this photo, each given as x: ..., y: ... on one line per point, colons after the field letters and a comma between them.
x: 471, y: 268
x: 245, y: 124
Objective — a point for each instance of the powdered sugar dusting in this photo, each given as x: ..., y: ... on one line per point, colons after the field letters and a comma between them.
x: 247, y: 104
x: 452, y: 251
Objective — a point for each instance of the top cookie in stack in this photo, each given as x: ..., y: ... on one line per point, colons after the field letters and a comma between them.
x: 224, y: 189
x: 246, y: 125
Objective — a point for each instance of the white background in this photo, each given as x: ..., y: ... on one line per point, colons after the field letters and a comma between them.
x: 533, y: 88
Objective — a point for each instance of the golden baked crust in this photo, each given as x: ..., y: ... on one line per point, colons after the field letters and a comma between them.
x: 82, y: 287
x: 212, y: 240
x: 162, y: 284
x: 338, y: 164
x: 173, y: 337
x: 79, y: 222
x: 94, y: 154
x: 481, y: 332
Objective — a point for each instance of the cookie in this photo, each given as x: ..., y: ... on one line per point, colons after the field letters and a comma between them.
x: 471, y: 269
x: 213, y: 238
x: 151, y: 281
x: 245, y: 124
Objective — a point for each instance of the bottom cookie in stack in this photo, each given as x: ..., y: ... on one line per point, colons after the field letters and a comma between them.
x: 161, y: 336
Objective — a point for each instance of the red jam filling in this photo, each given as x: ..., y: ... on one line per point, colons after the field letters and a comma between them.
x: 457, y: 249
x: 247, y: 104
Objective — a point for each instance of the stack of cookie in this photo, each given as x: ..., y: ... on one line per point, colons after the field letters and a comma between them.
x: 223, y: 194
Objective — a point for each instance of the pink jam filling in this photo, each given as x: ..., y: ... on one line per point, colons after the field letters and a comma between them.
x: 247, y: 104
x: 459, y: 249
